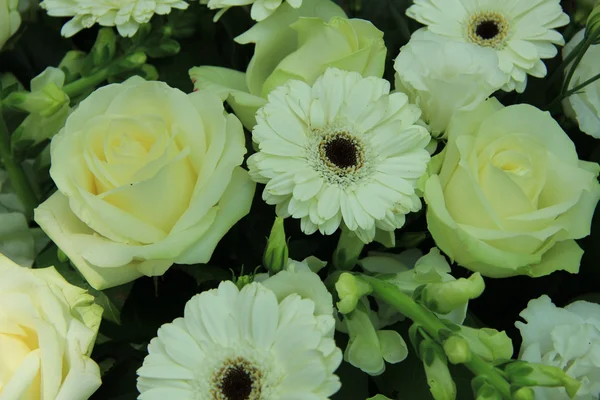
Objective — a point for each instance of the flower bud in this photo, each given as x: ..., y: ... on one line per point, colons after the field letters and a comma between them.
x: 348, y: 250
x: 130, y: 62
x: 443, y: 297
x: 350, y: 289
x: 487, y: 343
x: 276, y: 253
x: 483, y: 390
x: 379, y: 397
x: 523, y: 373
x: 45, y: 102
x: 105, y: 47
x: 72, y: 64
x: 440, y: 381
x: 457, y: 350
x: 592, y: 28
x: 524, y: 393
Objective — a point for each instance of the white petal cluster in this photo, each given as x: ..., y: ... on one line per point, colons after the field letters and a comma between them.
x: 260, y: 10
x: 126, y: 15
x: 568, y: 338
x: 522, y: 32
x: 244, y: 343
x: 584, y: 106
x: 344, y: 150
x: 443, y: 76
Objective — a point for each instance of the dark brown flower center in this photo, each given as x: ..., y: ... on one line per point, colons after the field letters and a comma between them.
x: 487, y: 30
x: 341, y: 153
x: 236, y: 384
x: 238, y: 379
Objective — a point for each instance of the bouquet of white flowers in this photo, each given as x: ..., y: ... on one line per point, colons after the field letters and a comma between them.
x: 299, y: 199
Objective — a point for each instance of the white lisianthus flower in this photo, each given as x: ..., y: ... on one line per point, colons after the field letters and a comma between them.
x: 243, y: 344
x: 442, y: 76
x: 343, y: 150
x: 126, y: 15
x: 568, y: 338
x: 47, y: 332
x: 584, y: 106
x: 260, y: 10
x: 521, y: 32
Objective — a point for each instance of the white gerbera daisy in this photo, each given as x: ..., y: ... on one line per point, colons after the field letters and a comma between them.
x: 260, y: 10
x: 342, y: 150
x: 521, y: 31
x: 126, y: 15
x: 243, y: 345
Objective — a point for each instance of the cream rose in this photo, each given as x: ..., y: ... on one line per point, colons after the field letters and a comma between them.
x: 10, y: 19
x: 295, y: 44
x: 47, y: 331
x: 584, y: 106
x: 147, y: 176
x: 511, y: 194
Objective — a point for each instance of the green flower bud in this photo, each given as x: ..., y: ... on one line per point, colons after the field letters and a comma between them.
x: 149, y: 72
x: 350, y: 289
x: 128, y: 63
x: 592, y: 28
x: 164, y: 47
x: 524, y: 393
x: 379, y: 397
x: 483, y: 390
x: 243, y: 280
x: 523, y: 373
x: 443, y: 297
x: 440, y: 381
x: 105, y: 47
x: 457, y: 350
x: 275, y: 257
x: 348, y: 250
x: 45, y: 102
x: 72, y: 64
x: 487, y: 343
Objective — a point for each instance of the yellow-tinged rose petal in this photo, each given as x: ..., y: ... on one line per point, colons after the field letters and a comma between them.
x: 564, y: 255
x: 234, y: 204
x: 61, y: 225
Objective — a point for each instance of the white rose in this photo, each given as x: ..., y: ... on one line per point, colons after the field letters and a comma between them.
x: 10, y: 19
x: 568, y: 338
x: 584, y: 106
x: 442, y: 76
x: 47, y: 331
x: 147, y: 176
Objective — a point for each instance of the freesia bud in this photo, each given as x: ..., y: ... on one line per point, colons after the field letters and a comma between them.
x: 350, y: 289
x: 483, y: 390
x: 457, y: 350
x: 524, y: 393
x: 523, y: 373
x: 443, y: 297
x: 489, y: 344
x: 592, y: 28
x: 45, y: 102
x: 105, y: 46
x: 440, y: 381
x: 276, y: 253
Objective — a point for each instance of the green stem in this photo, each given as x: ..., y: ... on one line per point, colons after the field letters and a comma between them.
x: 577, y: 88
x: 80, y: 86
x: 587, y: 42
x: 389, y: 293
x: 19, y: 181
x: 570, y: 57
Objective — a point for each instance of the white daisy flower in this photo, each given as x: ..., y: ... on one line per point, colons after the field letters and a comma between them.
x: 344, y: 149
x: 243, y: 344
x: 521, y: 31
x: 126, y: 15
x: 260, y: 10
